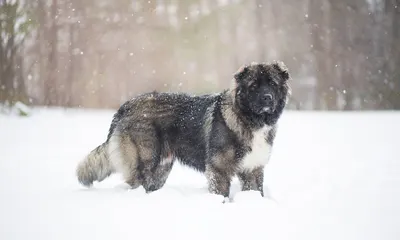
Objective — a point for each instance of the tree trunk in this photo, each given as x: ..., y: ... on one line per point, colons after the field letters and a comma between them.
x: 395, y: 79
x: 51, y: 80
x: 325, y: 97
x: 41, y: 49
x: 10, y: 52
x: 2, y: 61
x: 19, y: 77
x: 71, y: 70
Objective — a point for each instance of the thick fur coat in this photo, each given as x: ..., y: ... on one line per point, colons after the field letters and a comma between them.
x: 222, y: 135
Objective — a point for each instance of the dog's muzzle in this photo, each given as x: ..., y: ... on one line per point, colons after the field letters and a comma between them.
x: 267, y: 110
x: 268, y: 104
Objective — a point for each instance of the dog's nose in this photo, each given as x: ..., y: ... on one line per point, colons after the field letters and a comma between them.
x: 267, y: 97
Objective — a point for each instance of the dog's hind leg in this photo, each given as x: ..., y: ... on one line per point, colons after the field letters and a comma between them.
x: 124, y: 157
x: 155, y: 159
x: 160, y: 174
x: 148, y: 159
x: 133, y: 180
x: 153, y: 170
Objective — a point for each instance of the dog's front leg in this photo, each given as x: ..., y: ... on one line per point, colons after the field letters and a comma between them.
x: 219, y: 181
x: 258, y: 174
x: 247, y: 180
x: 252, y: 180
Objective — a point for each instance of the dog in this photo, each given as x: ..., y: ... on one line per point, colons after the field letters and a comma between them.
x: 221, y: 135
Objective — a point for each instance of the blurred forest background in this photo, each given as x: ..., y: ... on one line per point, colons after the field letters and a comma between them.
x: 343, y: 55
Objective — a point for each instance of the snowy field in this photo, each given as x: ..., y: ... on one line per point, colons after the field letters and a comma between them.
x: 331, y: 176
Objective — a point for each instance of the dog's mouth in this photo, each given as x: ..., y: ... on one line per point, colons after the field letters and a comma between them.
x: 266, y: 110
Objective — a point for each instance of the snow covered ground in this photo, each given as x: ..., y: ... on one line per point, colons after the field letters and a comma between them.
x: 331, y: 176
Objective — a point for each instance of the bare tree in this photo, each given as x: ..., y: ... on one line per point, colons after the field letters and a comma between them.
x: 13, y: 29
x: 392, y: 56
x: 51, y: 78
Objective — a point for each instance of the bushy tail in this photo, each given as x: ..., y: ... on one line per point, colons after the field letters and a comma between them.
x: 95, y: 167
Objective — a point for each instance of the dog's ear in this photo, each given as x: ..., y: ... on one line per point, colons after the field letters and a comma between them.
x: 241, y: 73
x: 283, y: 70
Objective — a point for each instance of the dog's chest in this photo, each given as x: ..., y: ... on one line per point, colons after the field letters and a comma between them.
x: 260, y: 150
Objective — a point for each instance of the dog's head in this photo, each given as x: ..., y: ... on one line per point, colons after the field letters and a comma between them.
x: 262, y: 88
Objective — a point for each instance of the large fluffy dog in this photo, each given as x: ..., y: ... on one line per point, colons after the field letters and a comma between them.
x: 222, y: 135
